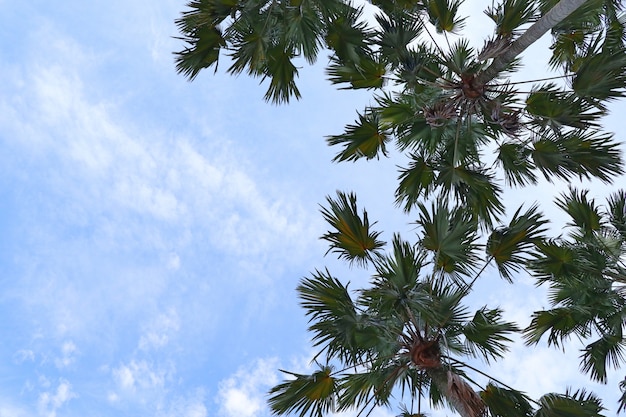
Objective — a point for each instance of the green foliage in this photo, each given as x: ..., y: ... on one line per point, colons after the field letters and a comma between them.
x: 511, y: 247
x: 366, y: 138
x: 447, y: 106
x: 503, y: 402
x: 307, y: 394
x: 450, y: 236
x: 577, y: 404
x: 585, y: 275
x: 352, y: 238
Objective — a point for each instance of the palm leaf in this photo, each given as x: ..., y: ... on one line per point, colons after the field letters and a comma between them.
x: 335, y: 323
x: 586, y: 217
x: 395, y: 34
x: 282, y: 73
x: 561, y: 323
x: 553, y: 108
x: 608, y: 351
x: 474, y: 188
x: 487, y: 334
x: 503, y: 402
x: 352, y: 239
x: 514, y: 158
x: 600, y: 74
x: 577, y: 404
x: 585, y: 154
x: 364, y: 139
x: 510, y: 15
x: 443, y: 14
x: 450, y: 236
x: 313, y: 395
x: 368, y: 73
x: 555, y: 260
x: 511, y: 246
x: 396, y: 284
x: 205, y: 51
x: 416, y: 181
x: 348, y: 37
x: 617, y: 212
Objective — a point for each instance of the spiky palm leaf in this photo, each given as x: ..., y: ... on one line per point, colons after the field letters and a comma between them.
x: 352, y: 238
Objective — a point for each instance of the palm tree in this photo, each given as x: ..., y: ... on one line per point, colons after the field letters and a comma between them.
x: 586, y: 275
x: 451, y: 104
x: 407, y: 336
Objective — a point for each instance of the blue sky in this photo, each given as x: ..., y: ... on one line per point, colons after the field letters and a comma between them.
x: 153, y: 230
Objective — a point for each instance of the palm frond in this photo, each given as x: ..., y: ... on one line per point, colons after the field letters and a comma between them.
x: 443, y: 14
x: 585, y: 154
x: 450, y: 236
x: 617, y: 212
x: 352, y: 237
x: 600, y: 74
x: 397, y: 284
x: 514, y: 158
x: 510, y: 15
x: 487, y: 334
x: 577, y: 404
x: 503, y: 402
x: 416, y: 182
x: 551, y: 107
x: 364, y: 139
x: 608, y: 351
x: 511, y: 246
x: 282, y: 73
x: 334, y: 321
x: 368, y: 73
x: 561, y: 323
x: 585, y: 215
x: 307, y: 395
x: 348, y: 38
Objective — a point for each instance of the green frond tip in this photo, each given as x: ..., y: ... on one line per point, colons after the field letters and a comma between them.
x: 585, y: 215
x: 504, y: 402
x: 617, y: 212
x: 607, y: 351
x: 622, y: 399
x: 364, y: 139
x: 306, y: 395
x: 510, y: 15
x: 577, y: 404
x: 282, y: 73
x: 450, y: 235
x: 443, y: 14
x: 487, y: 334
x: 560, y: 323
x: 513, y: 245
x: 204, y: 52
x: 352, y: 238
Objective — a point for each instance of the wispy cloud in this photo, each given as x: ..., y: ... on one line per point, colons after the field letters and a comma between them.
x: 50, y: 402
x: 244, y: 393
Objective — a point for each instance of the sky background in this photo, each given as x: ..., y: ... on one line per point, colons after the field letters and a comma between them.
x: 153, y: 231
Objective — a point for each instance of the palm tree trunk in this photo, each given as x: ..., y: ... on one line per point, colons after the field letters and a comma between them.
x: 559, y: 12
x: 457, y: 392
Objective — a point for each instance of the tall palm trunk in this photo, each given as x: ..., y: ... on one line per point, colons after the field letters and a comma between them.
x: 457, y: 392
x: 557, y: 14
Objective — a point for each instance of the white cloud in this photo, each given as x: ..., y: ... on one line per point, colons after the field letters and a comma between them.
x: 68, y: 355
x: 139, y: 376
x: 24, y: 355
x: 7, y: 409
x: 157, y: 334
x: 49, y: 402
x: 191, y: 405
x: 244, y: 393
